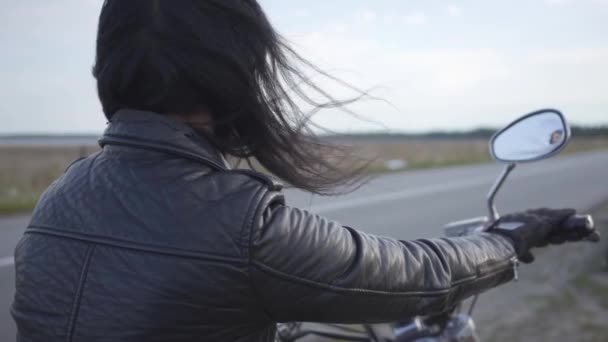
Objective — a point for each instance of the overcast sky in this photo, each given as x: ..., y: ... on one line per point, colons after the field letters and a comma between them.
x: 442, y: 64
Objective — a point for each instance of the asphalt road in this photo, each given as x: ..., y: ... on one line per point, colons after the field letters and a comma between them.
x: 410, y: 205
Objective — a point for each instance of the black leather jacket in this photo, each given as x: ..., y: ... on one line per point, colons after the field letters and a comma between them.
x: 154, y: 238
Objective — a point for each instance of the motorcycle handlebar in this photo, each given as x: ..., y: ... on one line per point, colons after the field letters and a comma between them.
x: 411, y: 332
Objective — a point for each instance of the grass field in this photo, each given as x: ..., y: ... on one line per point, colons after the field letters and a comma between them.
x: 421, y: 154
x: 26, y: 171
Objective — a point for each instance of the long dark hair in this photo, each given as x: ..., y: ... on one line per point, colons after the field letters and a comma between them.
x: 180, y: 57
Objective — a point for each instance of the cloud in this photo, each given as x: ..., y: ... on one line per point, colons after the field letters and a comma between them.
x: 301, y: 13
x: 454, y: 11
x: 388, y: 19
x: 338, y: 27
x: 564, y: 2
x: 454, y: 88
x: 416, y: 18
x: 48, y: 52
x: 366, y: 16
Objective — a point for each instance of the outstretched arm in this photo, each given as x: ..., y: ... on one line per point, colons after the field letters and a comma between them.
x: 308, y: 268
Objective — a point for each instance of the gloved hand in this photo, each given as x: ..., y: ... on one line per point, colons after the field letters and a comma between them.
x: 536, y: 228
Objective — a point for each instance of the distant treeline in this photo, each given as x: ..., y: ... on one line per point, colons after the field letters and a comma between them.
x: 480, y: 133
x: 590, y: 131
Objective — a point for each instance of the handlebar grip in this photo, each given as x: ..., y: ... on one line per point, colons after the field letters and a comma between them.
x: 584, y: 224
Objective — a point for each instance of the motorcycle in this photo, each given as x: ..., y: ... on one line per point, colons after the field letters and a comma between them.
x: 531, y: 138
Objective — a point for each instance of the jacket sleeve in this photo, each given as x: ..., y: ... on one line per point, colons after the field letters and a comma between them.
x: 308, y: 268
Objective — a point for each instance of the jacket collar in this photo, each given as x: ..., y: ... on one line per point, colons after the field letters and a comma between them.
x: 157, y: 132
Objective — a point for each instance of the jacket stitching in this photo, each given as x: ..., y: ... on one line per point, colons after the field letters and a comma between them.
x: 269, y: 182
x: 78, y: 296
x: 358, y: 241
x: 37, y: 229
x: 437, y: 252
x: 74, y: 163
x: 339, y: 289
x: 110, y: 139
x: 248, y: 222
x: 479, y: 270
x: 258, y: 211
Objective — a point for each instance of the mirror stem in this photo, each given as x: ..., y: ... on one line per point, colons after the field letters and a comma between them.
x: 492, y: 195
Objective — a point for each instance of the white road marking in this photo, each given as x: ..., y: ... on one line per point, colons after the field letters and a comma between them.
x: 431, y: 189
x: 398, y: 195
x: 7, y: 262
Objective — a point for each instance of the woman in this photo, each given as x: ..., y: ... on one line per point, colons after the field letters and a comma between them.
x: 155, y: 238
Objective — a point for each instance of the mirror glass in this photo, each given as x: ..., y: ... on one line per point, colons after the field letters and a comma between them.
x: 535, y: 136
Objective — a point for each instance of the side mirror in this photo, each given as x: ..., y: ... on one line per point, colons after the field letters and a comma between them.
x: 533, y: 137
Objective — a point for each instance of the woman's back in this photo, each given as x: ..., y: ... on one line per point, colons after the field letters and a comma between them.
x: 138, y: 244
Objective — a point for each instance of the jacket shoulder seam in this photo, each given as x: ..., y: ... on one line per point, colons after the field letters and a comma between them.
x: 71, y: 328
x: 270, y: 182
x: 257, y: 210
x: 74, y: 163
x: 247, y: 224
x: 130, y: 245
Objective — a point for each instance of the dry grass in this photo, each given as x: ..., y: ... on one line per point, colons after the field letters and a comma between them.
x: 421, y: 154
x: 26, y: 171
x: 425, y: 153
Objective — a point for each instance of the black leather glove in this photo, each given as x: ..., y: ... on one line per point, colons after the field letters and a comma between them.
x: 535, y: 228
